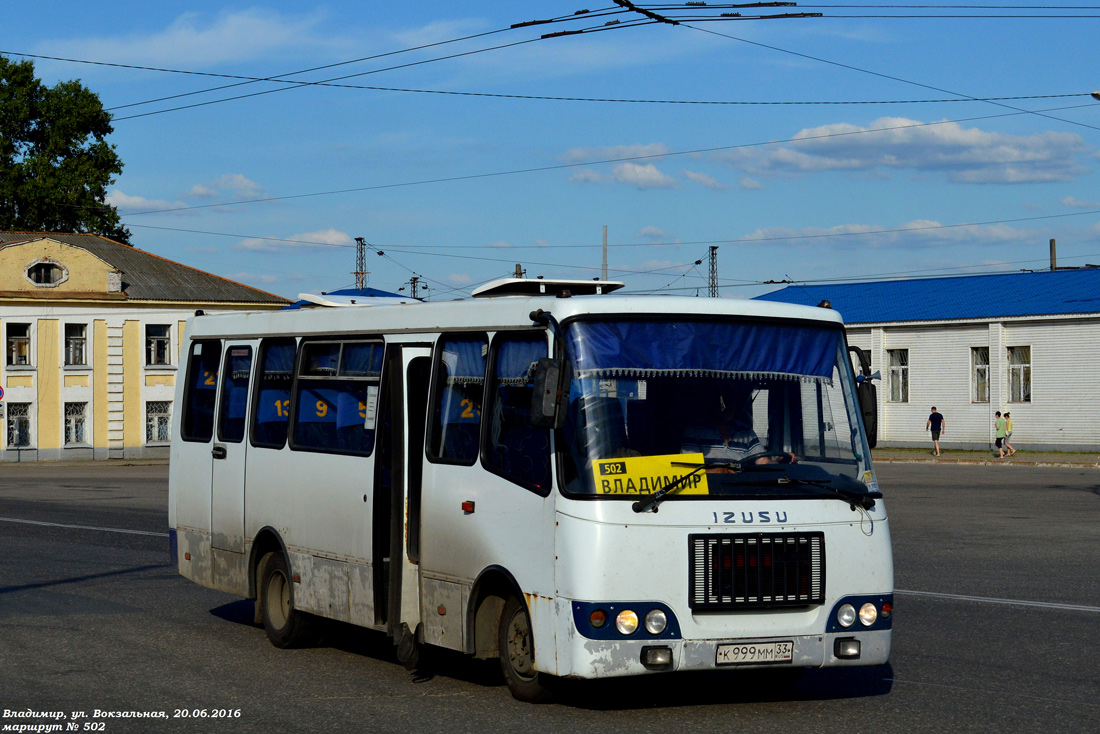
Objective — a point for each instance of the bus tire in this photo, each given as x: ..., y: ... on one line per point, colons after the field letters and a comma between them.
x: 286, y: 627
x: 515, y: 645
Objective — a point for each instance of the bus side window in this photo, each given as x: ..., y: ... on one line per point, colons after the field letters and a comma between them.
x: 336, y: 397
x: 234, y: 403
x: 202, y: 384
x: 460, y: 384
x: 271, y: 411
x: 514, y: 448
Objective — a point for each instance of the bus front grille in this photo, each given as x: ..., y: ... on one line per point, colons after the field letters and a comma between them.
x: 754, y: 571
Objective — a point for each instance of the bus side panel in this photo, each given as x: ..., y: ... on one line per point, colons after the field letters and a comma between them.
x: 189, y: 472
x: 509, y: 527
x: 316, y: 503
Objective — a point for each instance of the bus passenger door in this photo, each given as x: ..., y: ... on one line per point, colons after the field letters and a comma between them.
x: 227, y: 480
x: 396, y: 510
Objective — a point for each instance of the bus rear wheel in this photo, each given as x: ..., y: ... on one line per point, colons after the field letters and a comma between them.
x: 286, y: 627
x: 517, y: 655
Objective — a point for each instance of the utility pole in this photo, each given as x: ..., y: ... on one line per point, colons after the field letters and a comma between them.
x: 360, y: 272
x: 713, y: 280
x: 520, y: 272
x: 603, y: 273
x: 414, y: 284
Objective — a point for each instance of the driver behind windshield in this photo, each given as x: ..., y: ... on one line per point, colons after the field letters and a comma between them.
x: 725, y: 427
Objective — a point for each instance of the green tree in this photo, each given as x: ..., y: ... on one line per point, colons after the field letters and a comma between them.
x: 55, y: 161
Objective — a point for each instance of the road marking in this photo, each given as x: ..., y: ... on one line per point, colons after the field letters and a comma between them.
x: 991, y: 600
x: 83, y: 527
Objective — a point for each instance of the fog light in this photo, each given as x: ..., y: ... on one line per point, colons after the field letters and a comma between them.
x: 655, y: 622
x: 597, y: 618
x: 846, y: 615
x: 846, y: 647
x: 626, y: 622
x: 656, y: 657
x: 868, y: 614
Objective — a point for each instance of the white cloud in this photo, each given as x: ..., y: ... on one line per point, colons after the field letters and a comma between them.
x: 127, y: 204
x: 542, y: 243
x: 705, y: 180
x: 658, y: 236
x: 917, y: 233
x: 642, y: 176
x: 459, y: 279
x: 750, y: 183
x: 231, y: 184
x: 499, y: 244
x: 1075, y: 203
x: 307, y: 240
x: 614, y: 153
x: 587, y: 175
x: 964, y: 155
x: 197, y: 40
x: 440, y: 30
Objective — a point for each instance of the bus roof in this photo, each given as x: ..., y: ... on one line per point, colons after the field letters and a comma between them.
x: 490, y: 314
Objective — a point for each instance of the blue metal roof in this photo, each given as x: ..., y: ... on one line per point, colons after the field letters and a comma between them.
x: 1041, y: 293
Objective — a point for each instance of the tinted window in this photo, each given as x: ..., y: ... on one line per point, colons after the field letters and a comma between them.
x: 272, y: 409
x: 460, y: 384
x: 234, y: 402
x: 202, y: 384
x: 514, y: 448
x: 336, y: 397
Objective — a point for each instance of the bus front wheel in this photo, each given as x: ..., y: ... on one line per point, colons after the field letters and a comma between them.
x: 517, y: 654
x: 285, y: 626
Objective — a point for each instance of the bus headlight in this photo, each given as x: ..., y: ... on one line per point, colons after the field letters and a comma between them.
x: 846, y: 615
x: 626, y: 622
x: 868, y: 614
x: 655, y: 622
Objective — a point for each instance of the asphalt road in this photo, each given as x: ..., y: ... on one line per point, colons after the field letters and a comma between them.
x: 997, y: 610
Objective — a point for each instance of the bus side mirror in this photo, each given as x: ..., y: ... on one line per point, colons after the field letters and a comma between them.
x: 868, y: 405
x: 546, y: 397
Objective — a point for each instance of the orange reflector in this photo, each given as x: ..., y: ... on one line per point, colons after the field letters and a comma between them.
x: 468, y: 506
x: 442, y: 610
x: 887, y: 608
x: 297, y: 579
x: 187, y: 556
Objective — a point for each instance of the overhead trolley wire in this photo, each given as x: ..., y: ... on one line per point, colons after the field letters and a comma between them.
x: 563, y: 166
x: 540, y: 97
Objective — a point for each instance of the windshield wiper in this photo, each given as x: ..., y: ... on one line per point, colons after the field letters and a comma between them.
x: 655, y: 499
x: 866, y: 500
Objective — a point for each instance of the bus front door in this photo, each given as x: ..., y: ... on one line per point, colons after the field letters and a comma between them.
x: 403, y: 405
x: 227, y: 480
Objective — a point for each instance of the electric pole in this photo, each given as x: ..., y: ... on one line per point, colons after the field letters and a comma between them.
x: 713, y: 281
x: 360, y: 272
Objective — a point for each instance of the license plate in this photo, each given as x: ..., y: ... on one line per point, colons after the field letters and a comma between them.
x: 754, y: 653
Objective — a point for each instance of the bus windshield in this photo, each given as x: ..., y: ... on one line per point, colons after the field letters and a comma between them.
x: 769, y: 407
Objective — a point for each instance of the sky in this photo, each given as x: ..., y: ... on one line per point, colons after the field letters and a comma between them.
x: 728, y: 134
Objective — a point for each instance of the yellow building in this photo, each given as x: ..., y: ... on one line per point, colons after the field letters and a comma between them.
x: 91, y: 331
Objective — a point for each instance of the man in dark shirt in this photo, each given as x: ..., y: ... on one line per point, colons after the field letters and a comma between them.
x: 938, y: 426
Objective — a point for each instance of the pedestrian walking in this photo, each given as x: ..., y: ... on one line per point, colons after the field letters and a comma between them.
x: 937, y: 424
x: 1008, y: 434
x: 1002, y: 428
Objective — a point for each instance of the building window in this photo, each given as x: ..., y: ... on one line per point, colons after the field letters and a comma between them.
x: 19, y: 344
x: 156, y: 344
x: 158, y: 421
x: 46, y: 274
x: 19, y: 425
x: 979, y: 365
x: 76, y: 343
x: 1019, y: 374
x: 75, y: 423
x: 899, y: 375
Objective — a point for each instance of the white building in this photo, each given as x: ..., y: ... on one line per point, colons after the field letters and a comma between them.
x: 1026, y: 343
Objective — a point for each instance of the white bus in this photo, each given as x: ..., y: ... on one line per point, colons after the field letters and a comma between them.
x: 582, y: 485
